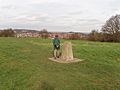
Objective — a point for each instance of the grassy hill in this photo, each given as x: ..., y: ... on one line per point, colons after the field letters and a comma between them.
x: 24, y: 65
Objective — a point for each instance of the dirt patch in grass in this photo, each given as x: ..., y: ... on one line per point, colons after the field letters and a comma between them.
x: 37, y: 43
x: 24, y: 50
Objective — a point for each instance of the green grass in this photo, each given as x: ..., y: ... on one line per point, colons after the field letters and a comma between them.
x: 24, y: 65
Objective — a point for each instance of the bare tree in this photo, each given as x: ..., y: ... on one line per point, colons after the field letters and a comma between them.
x: 95, y: 35
x: 44, y: 33
x: 111, y: 29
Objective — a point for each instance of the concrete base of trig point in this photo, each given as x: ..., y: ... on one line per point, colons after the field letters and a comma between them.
x: 67, y: 54
x: 59, y: 60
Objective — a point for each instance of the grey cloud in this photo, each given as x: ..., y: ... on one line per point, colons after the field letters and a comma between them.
x: 8, y: 7
x: 76, y: 12
x: 88, y: 20
x: 62, y: 15
x: 31, y: 18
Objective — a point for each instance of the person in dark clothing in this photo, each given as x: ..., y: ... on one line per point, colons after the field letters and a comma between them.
x: 56, y: 44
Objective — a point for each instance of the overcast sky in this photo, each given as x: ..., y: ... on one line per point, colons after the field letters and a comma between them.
x: 57, y: 15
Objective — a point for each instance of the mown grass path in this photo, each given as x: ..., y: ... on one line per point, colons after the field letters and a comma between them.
x: 24, y: 65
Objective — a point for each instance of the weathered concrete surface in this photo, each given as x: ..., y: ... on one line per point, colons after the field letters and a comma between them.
x: 59, y: 60
x: 67, y: 52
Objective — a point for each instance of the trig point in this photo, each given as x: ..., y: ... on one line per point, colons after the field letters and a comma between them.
x: 67, y: 52
x: 66, y: 55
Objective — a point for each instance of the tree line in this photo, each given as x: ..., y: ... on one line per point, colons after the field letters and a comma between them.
x: 7, y: 33
x: 110, y: 32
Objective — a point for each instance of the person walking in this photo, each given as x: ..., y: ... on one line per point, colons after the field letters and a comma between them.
x: 56, y: 45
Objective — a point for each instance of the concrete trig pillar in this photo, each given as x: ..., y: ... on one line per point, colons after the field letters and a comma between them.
x: 67, y: 52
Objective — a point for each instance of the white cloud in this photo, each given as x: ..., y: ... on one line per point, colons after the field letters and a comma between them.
x: 31, y: 18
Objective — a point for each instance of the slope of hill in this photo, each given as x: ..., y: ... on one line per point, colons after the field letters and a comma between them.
x: 24, y: 65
